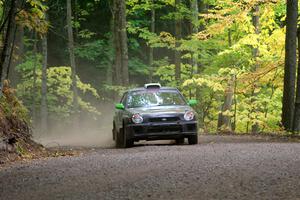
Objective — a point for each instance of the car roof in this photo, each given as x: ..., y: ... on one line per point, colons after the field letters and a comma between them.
x: 145, y: 89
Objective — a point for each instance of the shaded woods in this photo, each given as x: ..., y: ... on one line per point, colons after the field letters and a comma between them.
x: 237, y: 58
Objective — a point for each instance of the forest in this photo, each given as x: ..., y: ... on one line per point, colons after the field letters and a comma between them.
x: 237, y: 58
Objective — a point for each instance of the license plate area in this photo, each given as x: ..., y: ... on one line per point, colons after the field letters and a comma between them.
x: 164, y: 129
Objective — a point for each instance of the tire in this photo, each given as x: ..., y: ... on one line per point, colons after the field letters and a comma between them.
x: 119, y: 140
x: 193, y: 139
x: 128, y: 142
x: 114, y: 132
x: 180, y: 141
x: 122, y: 141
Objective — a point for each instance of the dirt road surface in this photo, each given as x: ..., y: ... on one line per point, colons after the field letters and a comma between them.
x: 219, y: 167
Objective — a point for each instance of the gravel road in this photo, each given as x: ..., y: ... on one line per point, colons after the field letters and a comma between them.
x: 218, y: 168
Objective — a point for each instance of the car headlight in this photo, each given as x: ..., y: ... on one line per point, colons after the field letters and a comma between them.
x: 189, y: 115
x: 137, y: 118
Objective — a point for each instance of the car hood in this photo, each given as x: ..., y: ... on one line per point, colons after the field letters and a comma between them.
x: 160, y: 110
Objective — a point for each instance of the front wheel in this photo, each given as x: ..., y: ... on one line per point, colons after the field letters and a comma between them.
x: 114, y: 132
x: 119, y: 138
x: 180, y: 141
x: 193, y: 139
x: 128, y: 142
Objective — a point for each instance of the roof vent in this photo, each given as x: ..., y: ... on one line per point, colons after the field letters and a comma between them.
x: 152, y: 86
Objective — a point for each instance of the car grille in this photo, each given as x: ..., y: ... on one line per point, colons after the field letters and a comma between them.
x: 158, y: 129
x: 191, y: 127
x: 164, y: 119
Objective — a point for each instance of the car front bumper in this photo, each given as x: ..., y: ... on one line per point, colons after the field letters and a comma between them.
x: 160, y: 131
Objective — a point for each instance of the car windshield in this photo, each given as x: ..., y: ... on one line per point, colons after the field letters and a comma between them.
x: 149, y: 98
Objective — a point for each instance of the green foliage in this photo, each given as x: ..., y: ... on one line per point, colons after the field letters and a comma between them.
x: 117, y: 89
x: 11, y: 107
x: 20, y: 150
x: 137, y: 67
x: 222, y: 51
x: 59, y: 96
x: 220, y: 61
x: 93, y: 50
x: 33, y: 16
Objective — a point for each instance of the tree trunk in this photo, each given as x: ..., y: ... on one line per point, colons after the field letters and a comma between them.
x: 151, y: 50
x: 296, y: 123
x: 177, y: 53
x: 5, y: 16
x: 8, y: 41
x: 18, y: 52
x: 124, y: 46
x: 233, y: 126
x: 224, y: 121
x: 109, y: 69
x: 11, y: 54
x: 195, y: 19
x: 34, y: 87
x: 288, y: 101
x: 44, y: 106
x: 120, y: 44
x: 201, y: 9
x: 72, y: 58
x: 255, y: 127
x: 117, y: 48
x: 193, y: 30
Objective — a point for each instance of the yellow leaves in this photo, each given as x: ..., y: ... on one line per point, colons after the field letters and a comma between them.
x: 227, y: 113
x: 204, y: 82
x: 38, y: 5
x: 60, y: 94
x: 164, y: 39
x: 203, y: 35
x: 228, y: 13
x: 34, y: 17
x: 251, y: 40
x: 84, y: 105
x: 62, y: 76
x: 169, y: 2
x: 229, y: 71
x: 167, y: 38
x: 167, y: 73
x: 32, y: 21
x: 188, y: 82
x: 84, y: 87
x: 227, y: 56
x: 254, y: 76
x: 212, y: 15
x: 276, y: 43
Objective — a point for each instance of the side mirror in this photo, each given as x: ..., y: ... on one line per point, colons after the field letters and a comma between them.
x: 192, y: 102
x: 120, y: 106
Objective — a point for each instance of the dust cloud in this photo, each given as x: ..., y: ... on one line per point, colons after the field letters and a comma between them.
x: 89, y: 133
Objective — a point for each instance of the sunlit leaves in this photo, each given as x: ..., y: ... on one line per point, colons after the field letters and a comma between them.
x: 209, y: 82
x: 34, y: 17
x: 60, y: 95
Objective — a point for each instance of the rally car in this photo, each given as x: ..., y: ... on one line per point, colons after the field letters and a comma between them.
x: 154, y: 113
